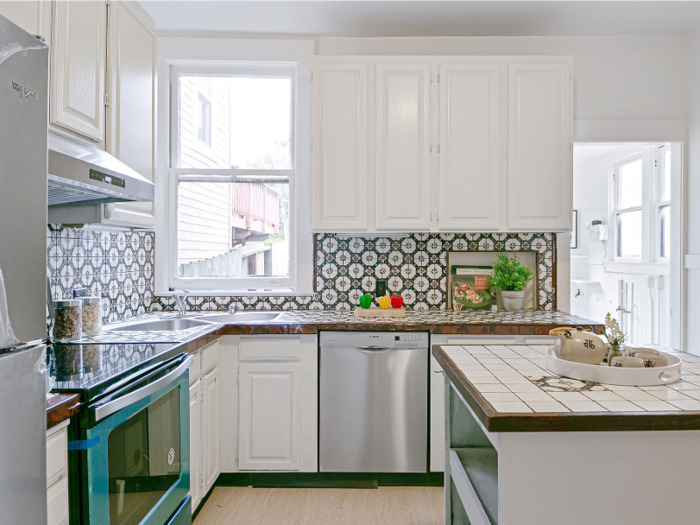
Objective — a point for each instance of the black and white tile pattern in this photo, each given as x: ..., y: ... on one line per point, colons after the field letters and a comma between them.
x: 118, y: 266
x: 415, y: 266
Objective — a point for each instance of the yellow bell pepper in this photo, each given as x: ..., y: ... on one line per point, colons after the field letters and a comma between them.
x: 385, y: 302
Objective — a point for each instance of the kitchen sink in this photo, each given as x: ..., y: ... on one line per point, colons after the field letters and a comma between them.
x: 241, y: 317
x: 165, y: 325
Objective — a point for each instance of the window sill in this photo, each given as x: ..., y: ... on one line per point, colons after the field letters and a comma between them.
x: 638, y: 268
x: 237, y: 293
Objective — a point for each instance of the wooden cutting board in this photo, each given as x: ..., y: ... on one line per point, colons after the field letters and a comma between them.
x: 375, y: 311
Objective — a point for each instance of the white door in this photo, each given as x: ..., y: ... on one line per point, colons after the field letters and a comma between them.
x: 340, y: 147
x: 78, y: 58
x: 269, y: 416
x: 539, y: 147
x: 211, y: 423
x: 470, y: 147
x: 402, y: 151
x: 195, y: 443
x: 130, y: 132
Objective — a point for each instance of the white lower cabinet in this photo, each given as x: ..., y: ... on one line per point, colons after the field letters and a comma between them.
x: 57, y: 474
x: 269, y: 403
x: 269, y: 416
x: 204, y: 422
x: 195, y: 442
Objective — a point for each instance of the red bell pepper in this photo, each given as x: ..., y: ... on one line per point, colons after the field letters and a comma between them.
x: 396, y: 301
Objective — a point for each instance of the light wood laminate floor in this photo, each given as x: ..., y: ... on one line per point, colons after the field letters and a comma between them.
x: 385, y: 506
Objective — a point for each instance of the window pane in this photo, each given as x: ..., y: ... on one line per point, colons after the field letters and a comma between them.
x: 233, y: 229
x: 629, y: 234
x: 666, y: 177
x: 235, y: 122
x: 630, y: 184
x: 665, y: 231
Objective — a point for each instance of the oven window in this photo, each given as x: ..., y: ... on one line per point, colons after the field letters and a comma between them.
x: 144, y: 460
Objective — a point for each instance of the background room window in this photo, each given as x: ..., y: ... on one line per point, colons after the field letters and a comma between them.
x: 232, y: 167
x: 628, y: 211
x: 641, y: 205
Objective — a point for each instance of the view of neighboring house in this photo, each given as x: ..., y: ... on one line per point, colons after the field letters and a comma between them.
x: 227, y: 229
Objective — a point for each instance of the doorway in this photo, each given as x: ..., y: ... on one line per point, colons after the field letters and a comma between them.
x: 625, y: 243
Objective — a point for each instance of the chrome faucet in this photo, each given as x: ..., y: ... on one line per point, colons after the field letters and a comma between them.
x: 180, y: 301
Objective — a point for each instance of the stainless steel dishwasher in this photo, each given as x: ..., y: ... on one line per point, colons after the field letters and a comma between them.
x: 373, y: 402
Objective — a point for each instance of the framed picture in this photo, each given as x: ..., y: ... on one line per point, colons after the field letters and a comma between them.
x: 574, y: 230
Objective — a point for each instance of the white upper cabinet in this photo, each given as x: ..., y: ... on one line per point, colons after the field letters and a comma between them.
x: 470, y: 147
x: 402, y: 151
x: 78, y: 65
x: 34, y: 16
x: 131, y: 88
x: 340, y: 147
x: 539, y: 147
x: 485, y: 148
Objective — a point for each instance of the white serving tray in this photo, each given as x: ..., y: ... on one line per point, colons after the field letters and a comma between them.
x: 610, y: 375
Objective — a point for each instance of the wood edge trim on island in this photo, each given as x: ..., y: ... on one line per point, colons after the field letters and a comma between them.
x: 561, y: 422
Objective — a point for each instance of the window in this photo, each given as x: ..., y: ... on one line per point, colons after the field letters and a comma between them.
x: 641, y: 205
x: 232, y: 167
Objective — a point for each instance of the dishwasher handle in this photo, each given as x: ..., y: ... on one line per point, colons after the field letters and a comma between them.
x: 373, y: 349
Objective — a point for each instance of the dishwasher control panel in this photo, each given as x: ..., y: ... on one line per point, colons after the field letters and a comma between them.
x: 337, y: 339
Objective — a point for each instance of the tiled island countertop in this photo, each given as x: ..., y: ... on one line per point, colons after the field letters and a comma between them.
x: 510, y: 390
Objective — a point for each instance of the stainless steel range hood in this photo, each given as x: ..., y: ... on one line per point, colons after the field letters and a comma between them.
x: 82, y: 174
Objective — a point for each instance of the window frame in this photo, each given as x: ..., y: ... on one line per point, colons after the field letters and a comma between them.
x: 652, y: 166
x: 660, y: 166
x: 175, y: 174
x: 617, y: 210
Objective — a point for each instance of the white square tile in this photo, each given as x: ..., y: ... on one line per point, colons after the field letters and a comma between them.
x: 670, y: 395
x: 547, y: 406
x: 523, y: 387
x: 621, y: 406
x: 602, y: 396
x: 491, y: 387
x: 569, y: 396
x: 493, y: 397
x: 636, y: 395
x: 618, y: 387
x: 656, y: 406
x: 514, y: 406
x: 535, y: 396
x: 691, y: 404
x: 684, y: 385
x: 584, y: 406
x: 478, y: 380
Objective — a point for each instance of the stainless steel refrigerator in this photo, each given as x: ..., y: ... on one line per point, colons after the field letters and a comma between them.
x: 24, y: 66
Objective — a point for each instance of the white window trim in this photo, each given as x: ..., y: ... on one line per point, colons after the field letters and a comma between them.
x: 615, y: 210
x: 300, y: 281
x: 658, y: 204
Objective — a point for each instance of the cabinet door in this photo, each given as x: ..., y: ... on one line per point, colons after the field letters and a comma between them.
x: 470, y: 147
x: 269, y: 416
x: 211, y: 424
x: 402, y: 152
x: 195, y: 443
x: 78, y: 57
x: 539, y: 147
x: 131, y: 83
x: 340, y: 147
x: 34, y: 16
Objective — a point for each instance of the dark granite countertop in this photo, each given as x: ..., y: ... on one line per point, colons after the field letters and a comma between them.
x: 510, y: 390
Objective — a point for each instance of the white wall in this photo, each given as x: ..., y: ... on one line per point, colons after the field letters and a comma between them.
x: 693, y: 197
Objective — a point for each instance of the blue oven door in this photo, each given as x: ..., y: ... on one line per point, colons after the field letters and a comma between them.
x: 137, y: 449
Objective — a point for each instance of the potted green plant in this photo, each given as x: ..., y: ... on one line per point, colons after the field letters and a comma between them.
x: 615, y: 336
x: 511, y: 278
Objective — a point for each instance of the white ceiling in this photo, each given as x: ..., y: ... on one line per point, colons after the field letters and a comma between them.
x: 585, y: 152
x: 428, y: 18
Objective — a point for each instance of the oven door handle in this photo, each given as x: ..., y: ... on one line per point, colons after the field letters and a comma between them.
x: 101, y: 411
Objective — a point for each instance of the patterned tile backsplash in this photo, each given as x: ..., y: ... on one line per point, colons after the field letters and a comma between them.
x: 414, y: 265
x: 118, y: 266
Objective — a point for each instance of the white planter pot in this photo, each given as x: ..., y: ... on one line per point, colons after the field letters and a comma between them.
x: 513, y: 301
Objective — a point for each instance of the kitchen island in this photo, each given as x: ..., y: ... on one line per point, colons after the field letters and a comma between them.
x: 524, y: 446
